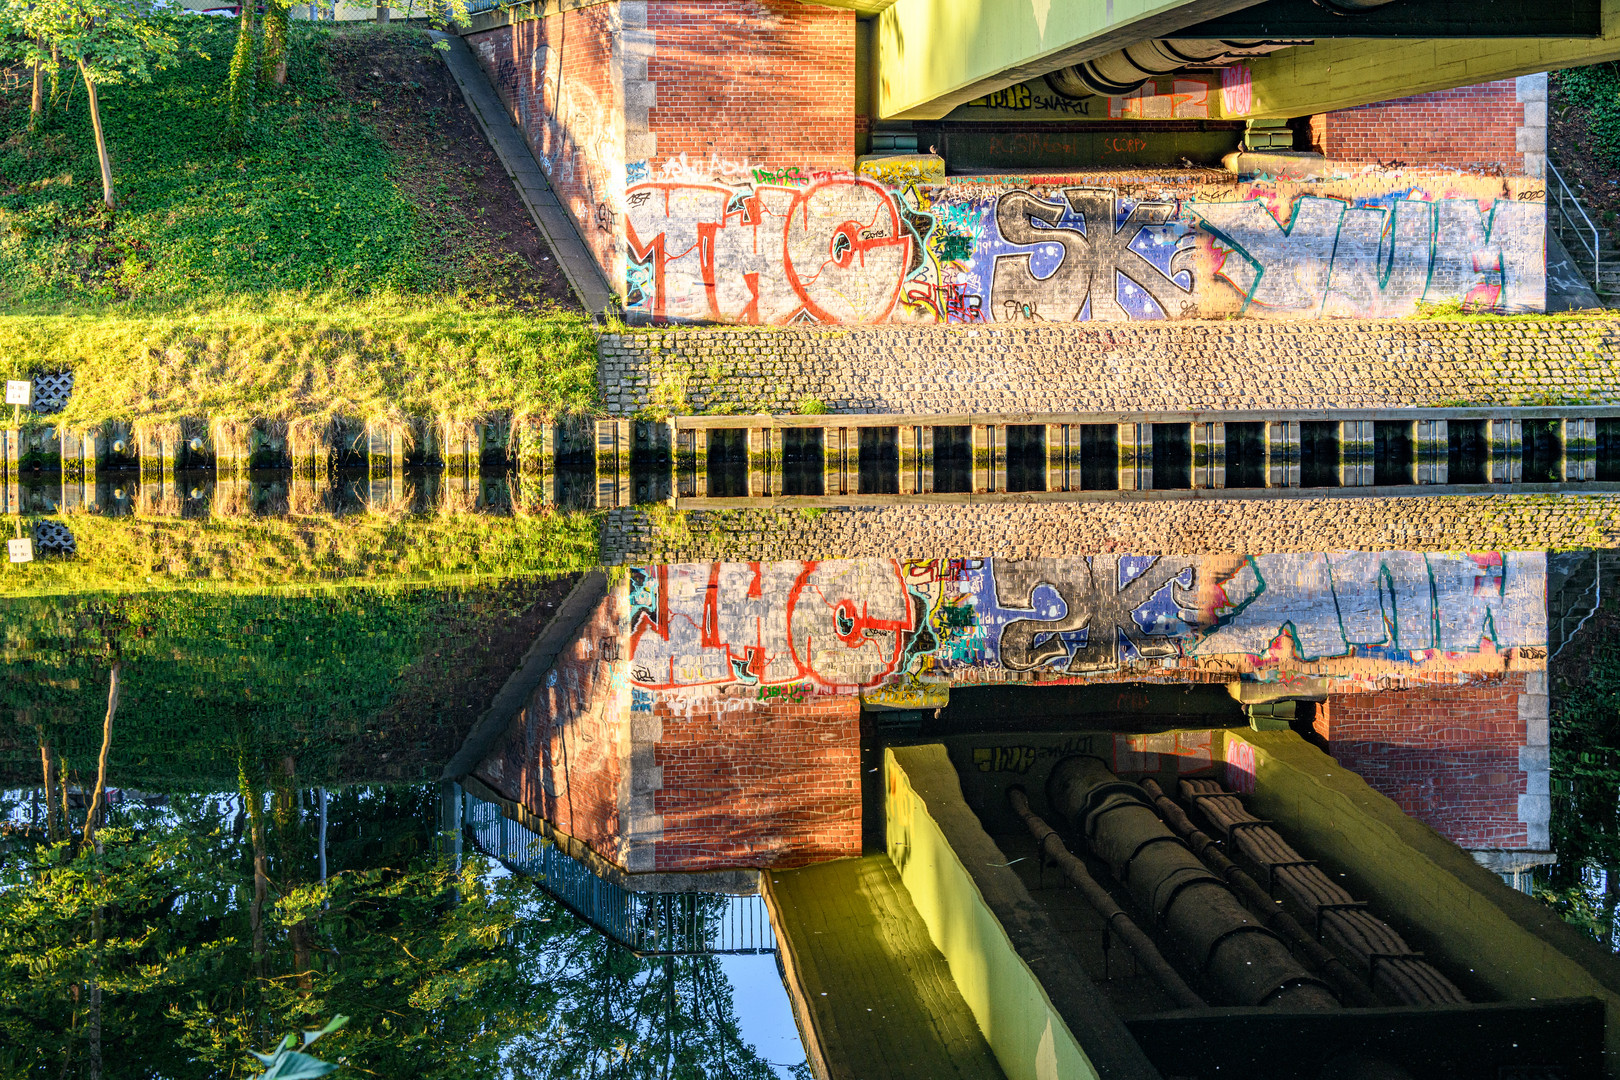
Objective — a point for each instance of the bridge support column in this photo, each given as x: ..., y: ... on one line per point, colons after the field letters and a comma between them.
x: 1580, y: 449
x: 1431, y: 446
x: 1282, y: 454
x: 1506, y: 441
x: 925, y: 460
x: 1209, y: 455
x: 1135, y: 457
x: 1356, y: 453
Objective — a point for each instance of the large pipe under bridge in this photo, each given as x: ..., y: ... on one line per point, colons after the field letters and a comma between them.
x: 1242, y: 961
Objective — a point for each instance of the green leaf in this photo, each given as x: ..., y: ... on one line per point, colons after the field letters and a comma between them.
x: 292, y: 1065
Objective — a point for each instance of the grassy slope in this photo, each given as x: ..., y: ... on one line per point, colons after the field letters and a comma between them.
x: 356, y: 254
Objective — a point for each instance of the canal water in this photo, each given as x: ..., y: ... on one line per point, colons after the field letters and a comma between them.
x: 668, y: 820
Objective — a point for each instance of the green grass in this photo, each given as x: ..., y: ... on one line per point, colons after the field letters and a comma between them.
x: 309, y: 203
x: 285, y: 357
x: 316, y: 270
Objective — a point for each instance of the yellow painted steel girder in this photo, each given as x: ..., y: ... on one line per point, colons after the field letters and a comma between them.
x: 933, y: 55
x: 1343, y: 72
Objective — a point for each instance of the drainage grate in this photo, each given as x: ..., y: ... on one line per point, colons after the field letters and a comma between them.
x: 54, y: 538
x: 52, y: 391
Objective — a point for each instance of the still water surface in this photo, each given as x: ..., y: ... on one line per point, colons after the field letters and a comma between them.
x: 273, y: 842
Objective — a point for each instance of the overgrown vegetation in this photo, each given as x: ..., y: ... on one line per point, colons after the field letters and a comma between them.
x: 1584, y: 136
x: 213, y: 928
x: 285, y: 357
x: 358, y: 250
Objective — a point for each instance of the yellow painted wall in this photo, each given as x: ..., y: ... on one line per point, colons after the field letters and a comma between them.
x: 1025, y: 1032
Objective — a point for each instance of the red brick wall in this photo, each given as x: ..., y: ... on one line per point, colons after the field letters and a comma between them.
x: 1447, y: 756
x: 775, y: 784
x: 561, y: 758
x: 771, y: 82
x: 564, y: 101
x: 1471, y: 127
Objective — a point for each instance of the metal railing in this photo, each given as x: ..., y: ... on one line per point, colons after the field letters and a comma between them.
x: 647, y: 923
x: 1563, y: 198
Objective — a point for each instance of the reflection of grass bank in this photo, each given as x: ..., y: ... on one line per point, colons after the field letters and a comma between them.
x: 290, y: 356
x: 230, y: 554
x: 353, y: 684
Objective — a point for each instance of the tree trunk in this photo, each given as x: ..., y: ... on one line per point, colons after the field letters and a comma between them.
x: 382, y: 13
x: 55, y: 813
x: 274, y: 61
x: 112, y: 684
x: 261, y: 883
x: 36, y: 107
x: 106, y: 175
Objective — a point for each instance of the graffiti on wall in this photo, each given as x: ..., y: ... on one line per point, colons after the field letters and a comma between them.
x: 781, y: 246
x: 838, y: 627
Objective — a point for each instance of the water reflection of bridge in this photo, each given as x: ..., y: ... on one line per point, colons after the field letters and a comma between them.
x: 647, y: 923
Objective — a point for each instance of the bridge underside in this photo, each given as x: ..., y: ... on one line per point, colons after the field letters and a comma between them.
x: 932, y: 56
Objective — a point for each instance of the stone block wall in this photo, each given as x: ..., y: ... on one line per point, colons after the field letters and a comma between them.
x: 1138, y: 367
x: 1471, y: 762
x: 1031, y: 530
x: 1494, y: 127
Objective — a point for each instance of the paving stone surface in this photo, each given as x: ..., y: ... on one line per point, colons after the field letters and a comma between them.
x: 1232, y: 364
x: 1032, y: 530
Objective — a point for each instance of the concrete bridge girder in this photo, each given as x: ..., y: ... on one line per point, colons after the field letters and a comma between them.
x: 933, y: 55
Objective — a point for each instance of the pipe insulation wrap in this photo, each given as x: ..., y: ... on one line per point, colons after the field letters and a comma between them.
x: 1147, y: 954
x: 1241, y: 959
x: 1123, y: 72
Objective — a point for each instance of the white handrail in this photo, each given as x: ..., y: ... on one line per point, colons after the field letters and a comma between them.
x: 1579, y: 227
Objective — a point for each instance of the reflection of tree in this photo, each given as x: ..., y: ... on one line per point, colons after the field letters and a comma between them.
x: 626, y: 1017
x: 1585, y: 883
x: 444, y: 972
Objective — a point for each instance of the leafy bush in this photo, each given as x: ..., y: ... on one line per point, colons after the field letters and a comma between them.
x: 1589, y: 87
x: 1597, y: 90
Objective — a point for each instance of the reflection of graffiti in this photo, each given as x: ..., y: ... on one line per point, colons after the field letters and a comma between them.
x: 1102, y: 602
x: 903, y: 628
x: 777, y: 245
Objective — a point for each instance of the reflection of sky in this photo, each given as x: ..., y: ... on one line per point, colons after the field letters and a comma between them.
x: 764, y: 1016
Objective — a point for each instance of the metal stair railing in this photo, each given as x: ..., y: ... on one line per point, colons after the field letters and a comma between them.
x: 1563, y: 198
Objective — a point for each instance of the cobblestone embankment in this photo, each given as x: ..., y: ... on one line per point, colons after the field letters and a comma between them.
x: 1079, y: 367
x: 1030, y: 530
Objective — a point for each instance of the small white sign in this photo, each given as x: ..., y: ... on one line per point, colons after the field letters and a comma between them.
x: 20, y: 550
x: 19, y: 392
